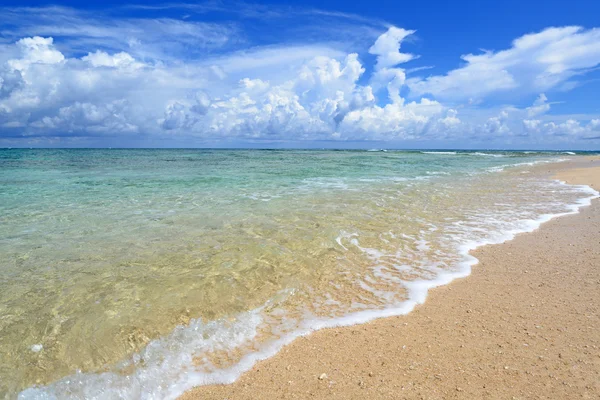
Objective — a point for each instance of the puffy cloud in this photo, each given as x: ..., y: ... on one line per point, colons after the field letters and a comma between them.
x: 106, y: 119
x: 176, y: 117
x: 533, y: 122
x: 387, y: 50
x: 202, y: 103
x: 532, y: 125
x: 497, y: 125
x: 570, y: 128
x: 394, y: 121
x: 35, y: 50
x: 146, y: 32
x: 289, y: 94
x: 10, y: 81
x: 540, y: 106
x: 310, y: 105
x: 535, y: 62
x: 118, y: 60
x: 451, y: 118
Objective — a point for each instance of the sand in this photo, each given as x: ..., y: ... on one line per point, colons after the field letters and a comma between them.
x: 525, y: 324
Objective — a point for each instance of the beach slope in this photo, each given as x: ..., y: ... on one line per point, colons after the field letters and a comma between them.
x: 525, y: 324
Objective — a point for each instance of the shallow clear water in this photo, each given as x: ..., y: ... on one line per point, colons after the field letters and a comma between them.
x: 140, y: 273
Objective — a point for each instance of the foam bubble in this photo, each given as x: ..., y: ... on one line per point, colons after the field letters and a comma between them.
x: 486, y: 154
x: 171, y: 365
x: 36, y: 348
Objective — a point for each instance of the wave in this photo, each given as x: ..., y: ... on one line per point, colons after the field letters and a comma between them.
x: 487, y: 154
x: 499, y: 168
x: 168, y: 366
x: 439, y: 152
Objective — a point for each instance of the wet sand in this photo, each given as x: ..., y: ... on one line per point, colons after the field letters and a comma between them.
x: 524, y: 324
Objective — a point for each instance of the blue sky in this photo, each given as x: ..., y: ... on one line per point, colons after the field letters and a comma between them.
x: 300, y: 74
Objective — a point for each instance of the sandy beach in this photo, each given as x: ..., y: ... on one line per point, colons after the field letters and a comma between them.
x: 291, y: 200
x: 524, y: 324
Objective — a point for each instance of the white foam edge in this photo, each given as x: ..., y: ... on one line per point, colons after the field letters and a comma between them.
x: 188, y: 379
x: 502, y: 167
x: 478, y: 153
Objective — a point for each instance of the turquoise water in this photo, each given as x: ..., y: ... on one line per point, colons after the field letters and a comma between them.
x: 140, y: 273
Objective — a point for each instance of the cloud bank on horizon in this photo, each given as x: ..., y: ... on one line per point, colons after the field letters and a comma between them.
x: 71, y: 78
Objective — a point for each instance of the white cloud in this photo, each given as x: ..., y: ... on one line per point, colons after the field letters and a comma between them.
x: 540, y: 106
x: 570, y: 128
x: 285, y: 93
x: 535, y: 62
x: 143, y: 38
x: 497, y: 125
x: 78, y: 117
x: 532, y: 125
x: 118, y: 60
x: 451, y: 118
x: 35, y: 50
x: 394, y: 121
x: 313, y: 97
x: 387, y: 50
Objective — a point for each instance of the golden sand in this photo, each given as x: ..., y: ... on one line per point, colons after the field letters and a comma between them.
x: 525, y: 324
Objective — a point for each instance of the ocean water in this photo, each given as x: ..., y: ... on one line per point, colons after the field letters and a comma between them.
x: 143, y: 273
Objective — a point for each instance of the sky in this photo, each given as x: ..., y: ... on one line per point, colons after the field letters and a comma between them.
x: 337, y: 74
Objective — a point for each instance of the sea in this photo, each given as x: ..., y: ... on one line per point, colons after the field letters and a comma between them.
x: 142, y: 273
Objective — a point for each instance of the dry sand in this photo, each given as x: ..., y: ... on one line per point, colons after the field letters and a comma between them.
x: 525, y: 324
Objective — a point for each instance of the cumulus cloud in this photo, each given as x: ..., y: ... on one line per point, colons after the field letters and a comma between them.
x: 387, y: 50
x: 394, y: 121
x: 86, y: 117
x: 497, y: 125
x: 533, y: 122
x: 535, y: 62
x: 570, y: 128
x: 294, y: 93
x: 540, y: 106
x: 118, y: 60
x: 320, y: 98
x: 35, y: 50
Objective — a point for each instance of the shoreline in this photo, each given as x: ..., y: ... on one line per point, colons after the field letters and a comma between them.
x: 344, y: 362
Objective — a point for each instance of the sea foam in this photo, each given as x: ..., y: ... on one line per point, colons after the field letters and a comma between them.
x: 167, y: 367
